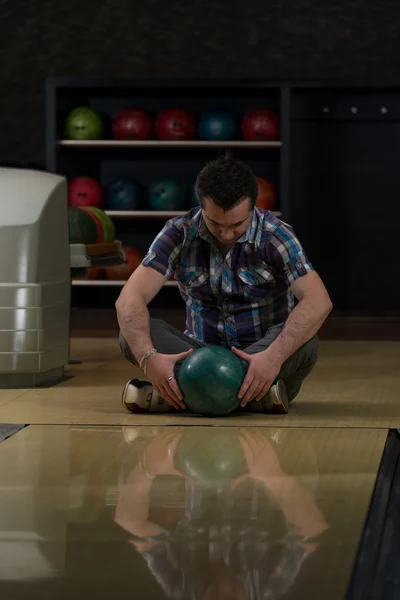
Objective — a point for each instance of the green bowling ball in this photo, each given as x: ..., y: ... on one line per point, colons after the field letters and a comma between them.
x: 83, y: 123
x: 210, y: 379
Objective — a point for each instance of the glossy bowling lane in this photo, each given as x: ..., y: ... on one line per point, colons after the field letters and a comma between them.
x: 198, y: 513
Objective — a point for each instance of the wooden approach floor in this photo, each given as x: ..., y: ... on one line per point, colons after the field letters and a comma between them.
x: 96, y: 502
x: 355, y: 384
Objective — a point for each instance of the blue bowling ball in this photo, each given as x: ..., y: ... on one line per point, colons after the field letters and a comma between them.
x: 217, y: 126
x: 167, y: 194
x: 126, y: 194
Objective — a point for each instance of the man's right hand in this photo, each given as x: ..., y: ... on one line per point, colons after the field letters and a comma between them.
x: 160, y: 368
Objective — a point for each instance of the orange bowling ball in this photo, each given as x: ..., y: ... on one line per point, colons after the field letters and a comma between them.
x: 266, y: 194
x: 124, y: 271
x: 94, y: 273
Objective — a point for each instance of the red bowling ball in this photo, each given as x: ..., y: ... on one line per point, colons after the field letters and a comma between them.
x: 132, y: 124
x: 260, y: 125
x: 175, y: 124
x: 85, y: 191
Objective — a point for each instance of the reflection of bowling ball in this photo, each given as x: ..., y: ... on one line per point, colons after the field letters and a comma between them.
x: 85, y: 191
x: 266, y: 194
x: 167, y: 194
x: 210, y: 379
x: 217, y: 126
x: 83, y: 123
x: 260, y: 125
x: 175, y: 124
x: 210, y: 456
x: 126, y: 194
x: 132, y: 124
x: 124, y: 271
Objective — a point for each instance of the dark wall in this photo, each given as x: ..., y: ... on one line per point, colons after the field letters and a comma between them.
x: 352, y: 39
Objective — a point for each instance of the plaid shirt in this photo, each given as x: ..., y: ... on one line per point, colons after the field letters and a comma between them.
x: 231, y: 300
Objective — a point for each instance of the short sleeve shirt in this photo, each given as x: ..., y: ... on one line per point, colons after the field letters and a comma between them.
x: 232, y: 299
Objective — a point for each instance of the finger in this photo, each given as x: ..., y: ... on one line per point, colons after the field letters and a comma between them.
x: 255, y: 439
x: 251, y: 442
x: 167, y: 437
x: 258, y: 392
x: 247, y: 381
x: 165, y: 394
x: 175, y: 442
x: 248, y: 449
x: 263, y: 391
x: 172, y: 435
x: 251, y: 392
x: 244, y: 443
x: 236, y: 482
x: 183, y: 355
x: 169, y: 442
x: 240, y: 353
x: 262, y: 439
x: 176, y: 393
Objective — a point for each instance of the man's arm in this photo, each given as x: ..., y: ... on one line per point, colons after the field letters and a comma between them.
x: 132, y: 312
x: 134, y: 321
x: 286, y: 256
x: 133, y: 317
x: 302, y: 324
x: 306, y: 318
x: 143, y: 285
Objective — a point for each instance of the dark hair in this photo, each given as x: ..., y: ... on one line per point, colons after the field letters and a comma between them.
x: 227, y: 181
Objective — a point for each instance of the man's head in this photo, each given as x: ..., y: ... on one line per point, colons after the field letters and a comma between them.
x: 227, y: 190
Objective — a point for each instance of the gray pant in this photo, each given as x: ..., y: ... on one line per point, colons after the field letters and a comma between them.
x: 168, y: 340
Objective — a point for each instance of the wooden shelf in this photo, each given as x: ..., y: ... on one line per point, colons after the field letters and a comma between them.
x: 142, y: 214
x: 110, y: 282
x: 166, y: 144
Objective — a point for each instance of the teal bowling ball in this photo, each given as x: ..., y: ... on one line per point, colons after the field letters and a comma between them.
x: 83, y: 123
x: 167, y: 194
x: 210, y: 379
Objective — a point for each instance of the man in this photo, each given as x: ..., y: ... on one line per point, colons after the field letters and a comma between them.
x: 247, y: 285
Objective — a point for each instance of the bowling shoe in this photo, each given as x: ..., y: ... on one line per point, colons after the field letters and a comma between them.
x: 275, y: 400
x: 140, y: 397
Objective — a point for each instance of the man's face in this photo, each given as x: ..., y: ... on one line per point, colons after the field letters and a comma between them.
x: 227, y: 227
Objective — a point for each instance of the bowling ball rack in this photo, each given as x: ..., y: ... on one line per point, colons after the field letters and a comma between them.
x: 86, y: 256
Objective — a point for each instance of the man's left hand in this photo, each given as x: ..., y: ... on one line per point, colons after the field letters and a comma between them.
x: 261, y: 374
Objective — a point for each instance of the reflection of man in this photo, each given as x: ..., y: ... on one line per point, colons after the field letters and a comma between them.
x: 243, y: 539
